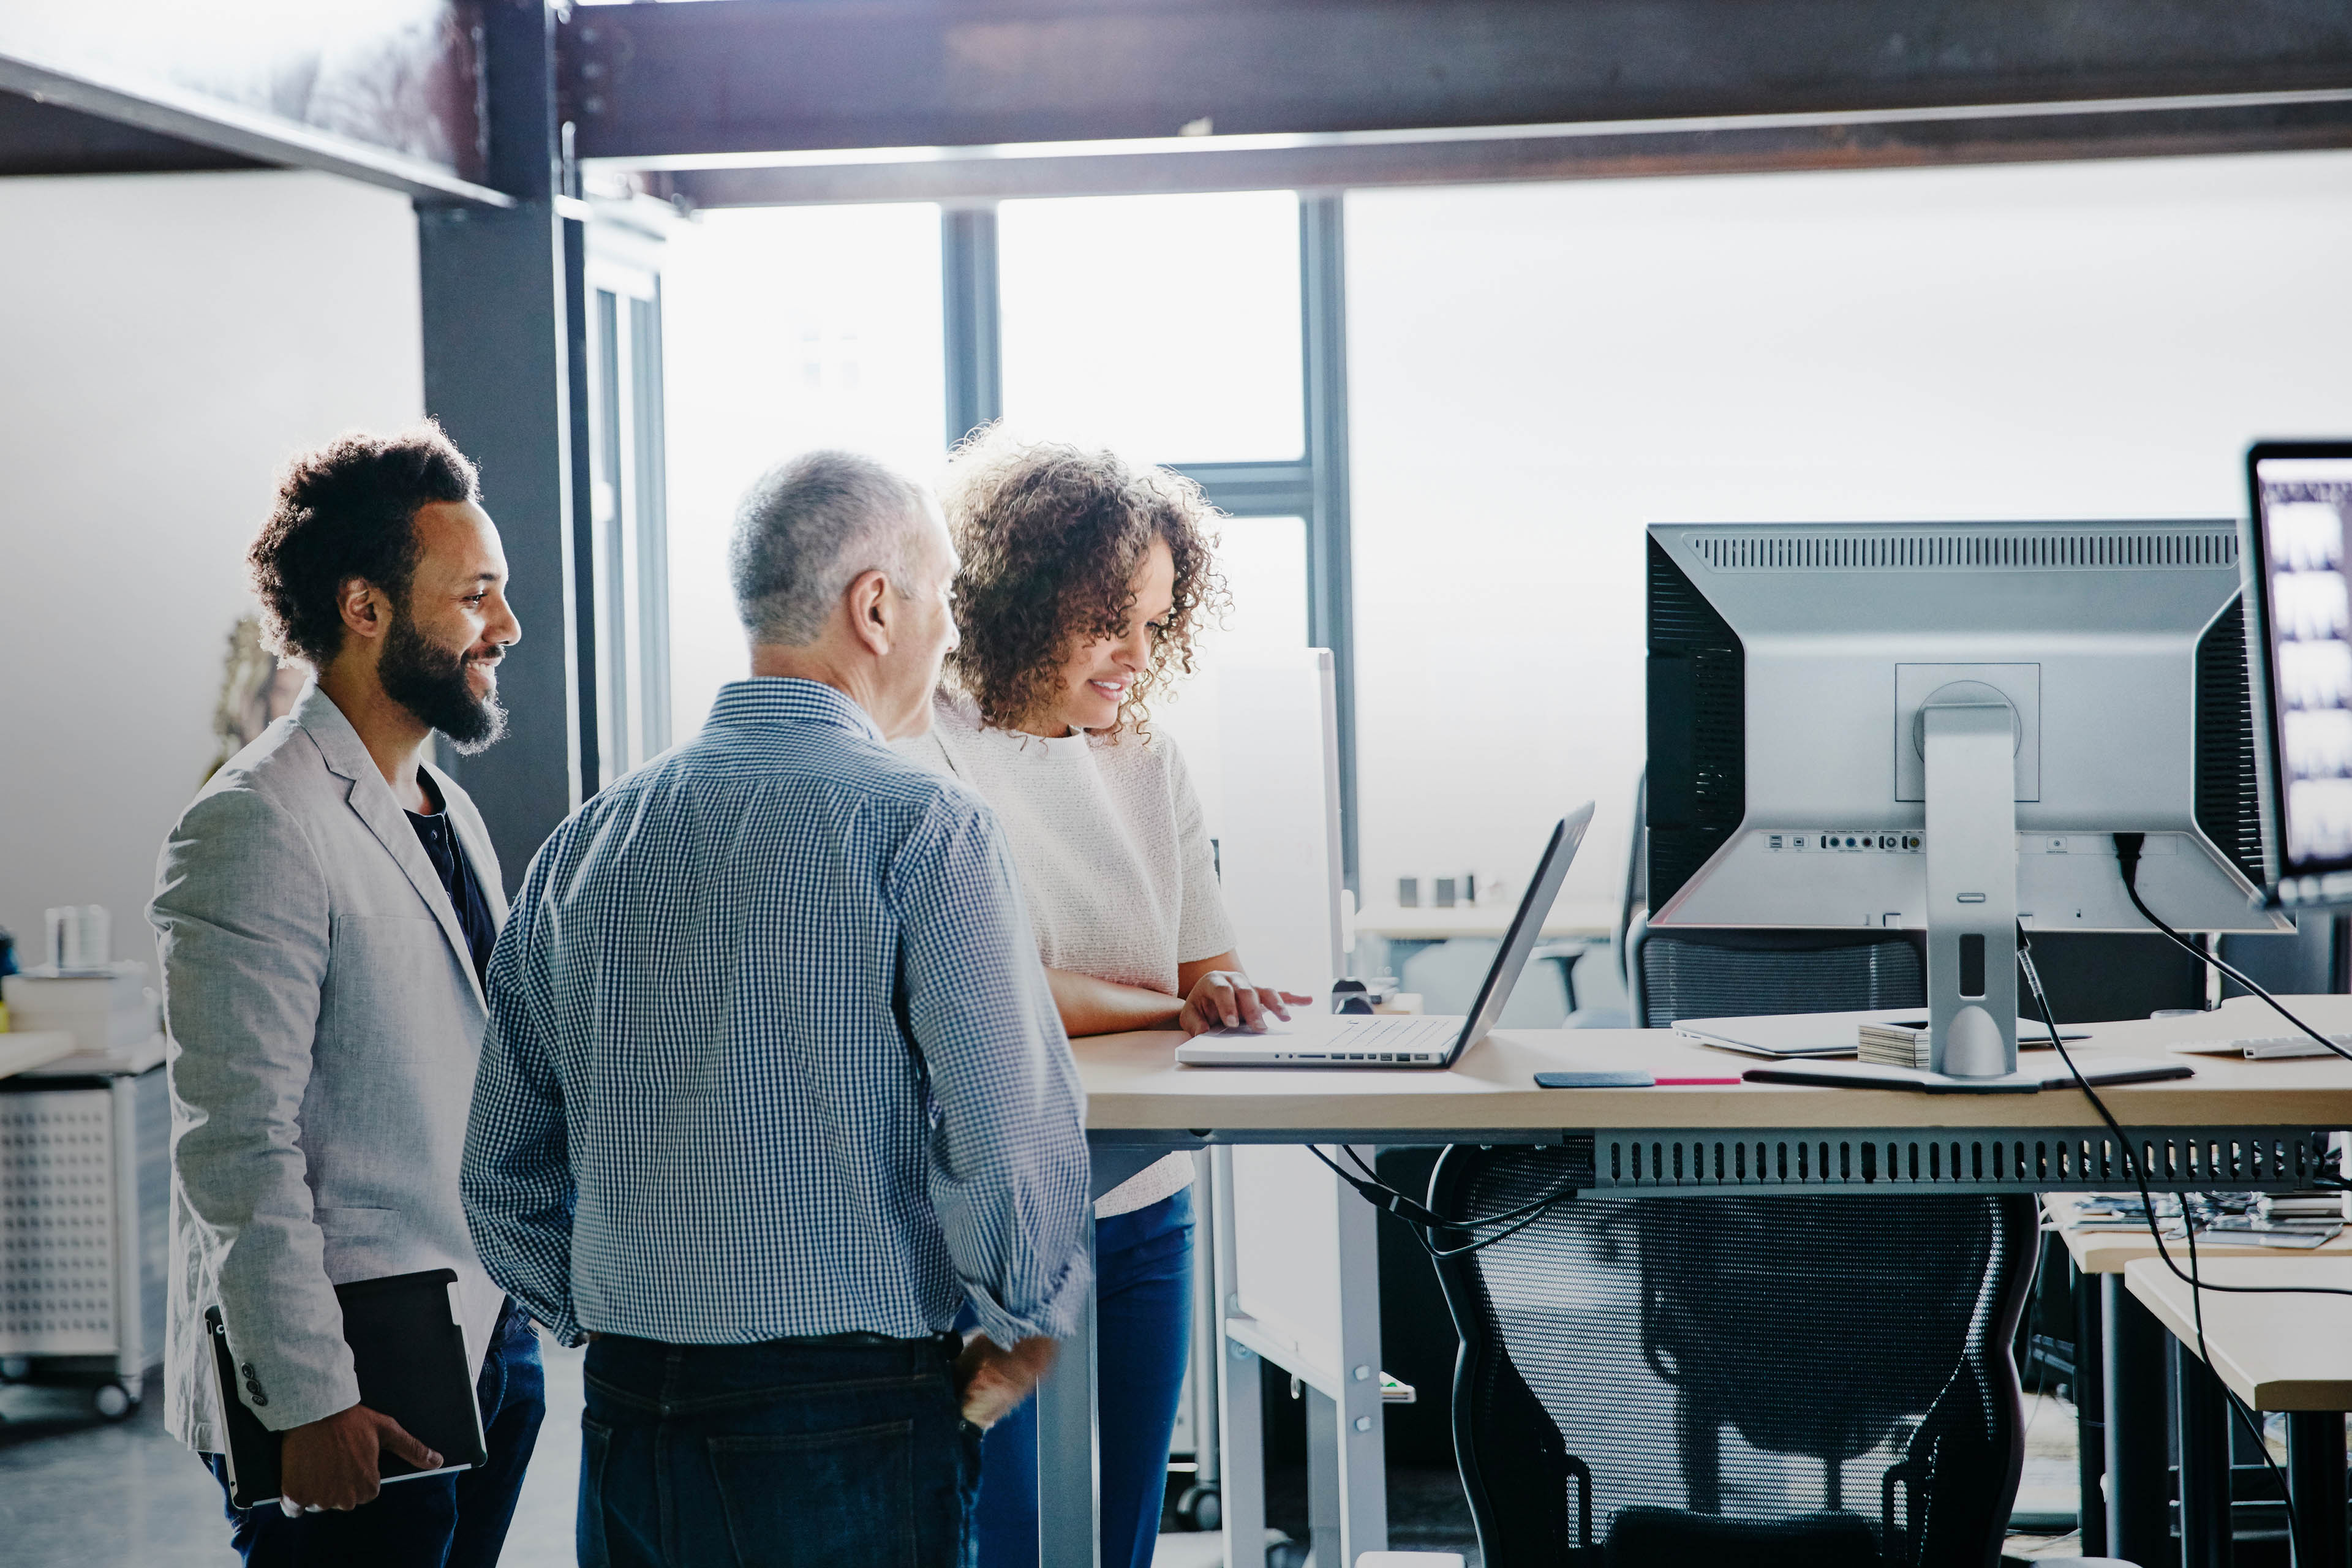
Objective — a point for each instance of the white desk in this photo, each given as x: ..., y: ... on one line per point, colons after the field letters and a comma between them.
x: 2275, y: 1352
x: 1694, y: 1140
x: 2283, y: 1352
x: 33, y: 1048
x: 2123, y: 1424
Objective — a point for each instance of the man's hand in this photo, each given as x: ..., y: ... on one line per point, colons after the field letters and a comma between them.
x: 337, y: 1463
x: 990, y: 1381
x: 1225, y: 999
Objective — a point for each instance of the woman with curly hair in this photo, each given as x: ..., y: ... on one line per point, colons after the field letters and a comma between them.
x: 1083, y: 585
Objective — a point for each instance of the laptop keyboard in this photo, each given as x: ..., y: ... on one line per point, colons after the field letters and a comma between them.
x: 1373, y: 1039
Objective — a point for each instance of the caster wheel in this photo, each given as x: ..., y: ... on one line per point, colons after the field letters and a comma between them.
x: 112, y: 1402
x: 1201, y: 1508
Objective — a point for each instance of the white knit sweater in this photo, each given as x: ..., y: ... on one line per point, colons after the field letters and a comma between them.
x: 1114, y: 861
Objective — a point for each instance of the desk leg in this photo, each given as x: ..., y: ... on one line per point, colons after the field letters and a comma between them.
x: 1356, y: 1418
x: 2132, y: 1347
x: 2204, y: 1413
x: 1068, y: 1535
x: 1241, y: 1424
x: 2090, y: 1414
x: 2315, y: 1471
x: 1326, y: 1532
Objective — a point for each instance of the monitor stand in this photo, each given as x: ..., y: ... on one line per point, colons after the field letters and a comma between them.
x: 1970, y: 743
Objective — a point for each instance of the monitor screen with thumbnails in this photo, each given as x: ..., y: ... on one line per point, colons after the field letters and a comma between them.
x: 2299, y: 504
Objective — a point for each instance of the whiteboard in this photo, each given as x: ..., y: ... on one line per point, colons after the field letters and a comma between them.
x: 1278, y: 833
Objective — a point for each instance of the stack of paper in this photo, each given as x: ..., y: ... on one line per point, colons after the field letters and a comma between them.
x: 100, y: 1009
x: 1895, y: 1045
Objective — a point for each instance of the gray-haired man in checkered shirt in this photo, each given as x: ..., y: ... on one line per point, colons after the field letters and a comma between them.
x: 773, y: 1083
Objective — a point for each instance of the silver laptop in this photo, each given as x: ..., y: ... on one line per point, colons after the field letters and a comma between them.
x: 1358, y: 1040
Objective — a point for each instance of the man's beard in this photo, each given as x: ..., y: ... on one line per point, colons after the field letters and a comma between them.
x: 430, y: 682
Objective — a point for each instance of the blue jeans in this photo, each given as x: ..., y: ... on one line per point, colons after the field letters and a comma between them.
x: 788, y: 1454
x: 439, y: 1522
x: 1143, y: 1333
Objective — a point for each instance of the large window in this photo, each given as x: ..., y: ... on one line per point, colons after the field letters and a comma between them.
x: 1166, y: 327
x: 788, y: 329
x: 1539, y: 370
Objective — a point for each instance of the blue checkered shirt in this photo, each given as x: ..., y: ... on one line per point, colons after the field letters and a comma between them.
x: 770, y: 1053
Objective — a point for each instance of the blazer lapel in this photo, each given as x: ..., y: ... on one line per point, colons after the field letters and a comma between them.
x: 371, y: 800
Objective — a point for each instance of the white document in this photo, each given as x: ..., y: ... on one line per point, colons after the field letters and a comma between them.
x: 2266, y: 1049
x: 1794, y: 1035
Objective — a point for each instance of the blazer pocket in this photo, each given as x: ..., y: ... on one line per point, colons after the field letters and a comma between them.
x: 380, y: 970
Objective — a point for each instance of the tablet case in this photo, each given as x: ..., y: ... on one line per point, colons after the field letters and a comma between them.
x: 408, y: 1350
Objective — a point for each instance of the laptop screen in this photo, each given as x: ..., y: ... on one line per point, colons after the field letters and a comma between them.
x: 1525, y: 928
x: 2301, y: 503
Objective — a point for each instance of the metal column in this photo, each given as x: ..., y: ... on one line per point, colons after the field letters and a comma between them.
x: 2314, y: 1471
x: 1241, y: 1424
x: 1358, y: 1442
x: 1068, y: 1475
x: 2090, y: 1414
x: 1330, y: 571
x: 2202, y: 1413
x: 2139, y: 1525
x: 975, y: 374
x: 497, y: 290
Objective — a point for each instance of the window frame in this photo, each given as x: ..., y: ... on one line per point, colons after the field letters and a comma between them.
x: 1313, y: 487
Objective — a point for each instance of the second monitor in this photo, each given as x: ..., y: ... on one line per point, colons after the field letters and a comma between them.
x: 1940, y: 727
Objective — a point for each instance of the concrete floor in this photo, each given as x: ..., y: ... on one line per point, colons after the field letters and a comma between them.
x: 123, y: 1495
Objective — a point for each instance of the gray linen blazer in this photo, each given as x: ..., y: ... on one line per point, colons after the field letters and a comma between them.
x: 325, y: 1024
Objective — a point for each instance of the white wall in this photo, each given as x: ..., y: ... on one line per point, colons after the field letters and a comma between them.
x: 166, y: 343
x: 1539, y: 370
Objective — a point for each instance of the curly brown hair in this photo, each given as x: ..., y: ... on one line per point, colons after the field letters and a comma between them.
x: 348, y: 510
x: 1052, y: 537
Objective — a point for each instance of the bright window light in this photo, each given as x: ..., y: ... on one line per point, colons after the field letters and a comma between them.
x: 786, y: 328
x: 1535, y: 372
x: 1164, y: 327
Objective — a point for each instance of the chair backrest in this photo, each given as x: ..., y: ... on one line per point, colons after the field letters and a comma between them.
x: 1741, y: 1381
x: 1635, y: 904
x: 1682, y: 972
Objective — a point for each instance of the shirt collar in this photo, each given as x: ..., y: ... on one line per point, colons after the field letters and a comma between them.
x: 766, y: 701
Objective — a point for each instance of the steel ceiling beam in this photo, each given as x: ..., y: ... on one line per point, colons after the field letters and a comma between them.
x: 763, y: 76
x: 48, y: 139
x: 1752, y: 144
x: 391, y: 92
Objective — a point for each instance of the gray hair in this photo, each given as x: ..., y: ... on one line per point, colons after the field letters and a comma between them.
x: 809, y: 528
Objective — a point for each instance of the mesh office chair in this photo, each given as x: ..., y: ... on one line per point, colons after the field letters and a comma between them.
x: 1746, y: 1383
x: 1708, y: 974
x: 1712, y: 973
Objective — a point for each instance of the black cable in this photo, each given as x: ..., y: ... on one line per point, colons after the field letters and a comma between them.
x: 2128, y: 855
x: 2197, y: 1287
x: 1424, y: 1221
x: 1398, y: 1201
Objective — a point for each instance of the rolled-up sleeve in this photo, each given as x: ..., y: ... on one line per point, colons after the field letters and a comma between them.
x: 517, y: 1180
x: 1009, y: 1167
x: 243, y: 931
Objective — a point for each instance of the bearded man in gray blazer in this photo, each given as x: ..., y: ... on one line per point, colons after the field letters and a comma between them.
x: 326, y: 908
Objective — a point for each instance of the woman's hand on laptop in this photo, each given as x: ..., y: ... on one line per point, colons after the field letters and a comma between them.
x: 1225, y: 999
